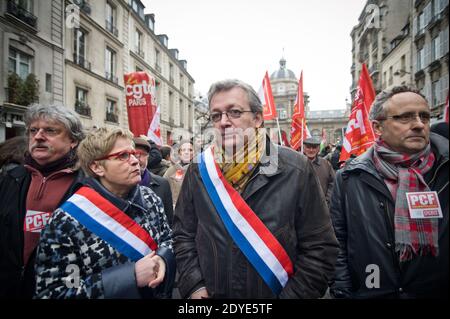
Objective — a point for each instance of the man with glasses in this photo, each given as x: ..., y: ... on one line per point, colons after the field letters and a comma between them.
x: 31, y: 192
x: 251, y: 220
x: 390, y: 206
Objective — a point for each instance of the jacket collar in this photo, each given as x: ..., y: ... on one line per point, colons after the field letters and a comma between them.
x: 134, y: 197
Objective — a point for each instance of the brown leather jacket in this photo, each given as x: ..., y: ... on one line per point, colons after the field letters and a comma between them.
x: 291, y: 205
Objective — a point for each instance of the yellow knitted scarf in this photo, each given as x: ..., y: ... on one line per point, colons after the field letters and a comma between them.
x: 238, y: 167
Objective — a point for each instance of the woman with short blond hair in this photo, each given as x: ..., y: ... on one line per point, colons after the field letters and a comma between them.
x: 112, y: 232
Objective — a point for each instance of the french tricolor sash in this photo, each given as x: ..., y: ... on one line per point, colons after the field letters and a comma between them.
x: 109, y: 223
x: 249, y: 233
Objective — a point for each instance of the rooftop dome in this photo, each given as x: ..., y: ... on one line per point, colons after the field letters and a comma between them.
x: 283, y: 73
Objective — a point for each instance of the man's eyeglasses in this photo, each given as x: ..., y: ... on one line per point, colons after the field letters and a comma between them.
x: 47, y: 131
x: 231, y: 114
x: 409, y: 117
x: 123, y: 156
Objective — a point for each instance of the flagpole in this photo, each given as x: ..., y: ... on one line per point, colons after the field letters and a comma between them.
x: 279, y: 132
x: 301, y: 140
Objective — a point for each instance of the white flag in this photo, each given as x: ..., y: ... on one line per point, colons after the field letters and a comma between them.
x: 154, y: 131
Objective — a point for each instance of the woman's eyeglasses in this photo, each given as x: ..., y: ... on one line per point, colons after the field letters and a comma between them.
x: 123, y: 156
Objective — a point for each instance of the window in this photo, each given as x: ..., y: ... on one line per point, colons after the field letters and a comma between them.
x: 435, y: 93
x: 181, y: 82
x: 111, y: 19
x: 111, y: 111
x: 436, y: 48
x: 25, y: 4
x: 48, y: 83
x: 81, y: 105
x: 157, y: 60
x: 181, y: 113
x: 171, y: 73
x: 79, y: 47
x: 403, y: 62
x: 110, y: 62
x: 138, y: 42
x: 391, y: 76
x: 23, y: 10
x: 421, y: 59
x: 171, y: 107
x: 20, y: 63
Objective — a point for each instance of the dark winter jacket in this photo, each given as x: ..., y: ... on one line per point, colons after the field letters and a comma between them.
x: 326, y: 175
x: 362, y: 211
x: 161, y: 188
x: 16, y: 280
x: 288, y: 200
x: 103, y: 271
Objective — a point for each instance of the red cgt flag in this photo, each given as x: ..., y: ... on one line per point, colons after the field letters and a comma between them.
x: 299, y: 130
x: 141, y: 101
x: 266, y: 96
x: 359, y: 135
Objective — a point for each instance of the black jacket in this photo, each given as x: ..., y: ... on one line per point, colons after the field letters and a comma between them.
x: 362, y: 210
x: 289, y: 201
x: 161, y: 188
x: 16, y: 280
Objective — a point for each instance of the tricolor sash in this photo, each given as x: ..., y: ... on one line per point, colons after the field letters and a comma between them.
x: 109, y: 223
x: 249, y: 233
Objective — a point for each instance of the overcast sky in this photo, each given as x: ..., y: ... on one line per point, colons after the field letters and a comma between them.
x: 244, y: 38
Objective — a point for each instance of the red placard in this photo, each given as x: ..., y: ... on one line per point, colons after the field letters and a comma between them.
x: 140, y: 91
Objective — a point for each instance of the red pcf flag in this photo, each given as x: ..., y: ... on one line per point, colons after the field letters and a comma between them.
x: 299, y: 130
x: 266, y: 96
x: 359, y: 135
x: 141, y: 101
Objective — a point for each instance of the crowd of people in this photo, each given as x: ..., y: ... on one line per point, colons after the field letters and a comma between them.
x: 101, y: 213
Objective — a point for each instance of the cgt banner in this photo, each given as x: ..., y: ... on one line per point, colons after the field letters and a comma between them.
x: 140, y: 90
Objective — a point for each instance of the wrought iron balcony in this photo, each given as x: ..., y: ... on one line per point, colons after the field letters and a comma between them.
x: 111, y: 117
x: 82, y: 108
x: 81, y: 61
x: 21, y: 13
x: 111, y: 77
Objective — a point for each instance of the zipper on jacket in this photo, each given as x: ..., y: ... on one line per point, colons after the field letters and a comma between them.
x: 391, y: 235
x: 435, y: 174
x: 41, y: 188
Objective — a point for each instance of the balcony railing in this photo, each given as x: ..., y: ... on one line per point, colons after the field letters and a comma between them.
x: 82, y: 108
x: 111, y: 77
x: 111, y: 117
x: 139, y: 52
x: 111, y: 28
x: 21, y: 13
x: 81, y: 61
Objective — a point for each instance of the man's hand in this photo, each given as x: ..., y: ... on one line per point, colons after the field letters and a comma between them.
x: 150, y: 271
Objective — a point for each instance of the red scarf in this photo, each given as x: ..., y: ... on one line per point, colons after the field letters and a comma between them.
x: 404, y: 173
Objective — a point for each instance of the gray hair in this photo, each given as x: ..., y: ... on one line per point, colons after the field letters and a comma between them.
x: 378, y: 109
x: 226, y: 85
x: 60, y: 113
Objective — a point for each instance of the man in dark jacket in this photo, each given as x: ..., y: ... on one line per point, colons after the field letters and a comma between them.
x: 30, y: 193
x: 243, y: 195
x: 390, y: 246
x: 322, y: 167
x: 156, y: 183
